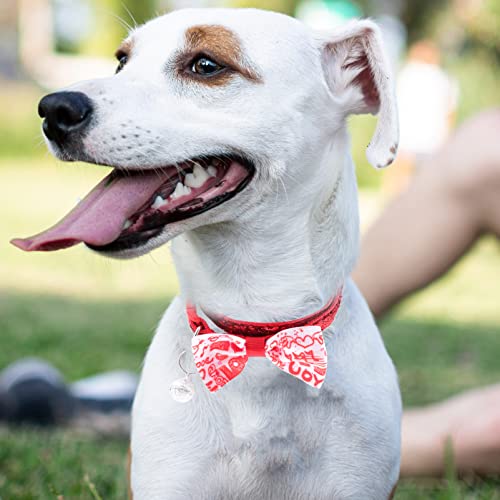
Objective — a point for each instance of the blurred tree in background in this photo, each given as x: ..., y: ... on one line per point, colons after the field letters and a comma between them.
x: 482, y: 23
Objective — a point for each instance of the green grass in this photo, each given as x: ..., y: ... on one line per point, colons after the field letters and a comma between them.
x: 43, y: 465
x: 85, y: 314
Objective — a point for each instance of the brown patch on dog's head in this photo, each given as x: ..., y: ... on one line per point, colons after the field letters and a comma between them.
x: 125, y: 48
x: 221, y: 45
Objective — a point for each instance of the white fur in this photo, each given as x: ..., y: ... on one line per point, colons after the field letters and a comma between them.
x: 278, y: 250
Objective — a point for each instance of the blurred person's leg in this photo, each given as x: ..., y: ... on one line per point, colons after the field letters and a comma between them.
x: 454, y: 199
x: 468, y: 422
x: 398, y: 177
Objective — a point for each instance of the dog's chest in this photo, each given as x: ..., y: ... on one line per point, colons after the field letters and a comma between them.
x: 246, y: 442
x: 269, y: 440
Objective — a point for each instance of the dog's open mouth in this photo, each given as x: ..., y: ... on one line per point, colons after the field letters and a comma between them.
x: 129, y: 207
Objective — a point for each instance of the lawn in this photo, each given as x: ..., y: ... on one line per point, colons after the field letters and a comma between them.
x: 85, y: 314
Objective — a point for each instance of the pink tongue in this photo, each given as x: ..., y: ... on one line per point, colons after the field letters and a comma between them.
x: 98, y: 219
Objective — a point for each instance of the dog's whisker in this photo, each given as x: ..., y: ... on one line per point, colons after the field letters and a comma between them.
x: 151, y: 256
x: 130, y: 14
x: 124, y: 23
x: 126, y: 26
x: 291, y: 177
x: 278, y: 183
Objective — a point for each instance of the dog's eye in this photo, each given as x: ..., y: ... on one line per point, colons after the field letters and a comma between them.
x: 205, y: 67
x: 122, y: 60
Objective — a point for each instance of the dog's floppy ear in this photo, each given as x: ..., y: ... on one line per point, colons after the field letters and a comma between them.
x: 360, y: 79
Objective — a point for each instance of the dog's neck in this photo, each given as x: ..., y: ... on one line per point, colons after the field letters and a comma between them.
x: 282, y: 265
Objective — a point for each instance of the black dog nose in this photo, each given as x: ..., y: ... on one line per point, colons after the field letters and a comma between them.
x: 64, y: 113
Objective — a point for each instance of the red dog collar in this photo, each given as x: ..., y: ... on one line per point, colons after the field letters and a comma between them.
x: 256, y: 334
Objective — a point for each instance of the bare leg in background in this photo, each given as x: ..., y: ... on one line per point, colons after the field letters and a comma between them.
x: 452, y: 201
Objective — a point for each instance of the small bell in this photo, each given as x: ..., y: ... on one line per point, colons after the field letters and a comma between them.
x: 182, y: 389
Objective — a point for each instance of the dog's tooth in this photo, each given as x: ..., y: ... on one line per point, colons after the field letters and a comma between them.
x: 180, y: 190
x: 159, y: 202
x: 192, y: 181
x: 127, y: 224
x: 177, y: 191
x: 200, y: 173
x: 197, y: 178
x: 212, y: 171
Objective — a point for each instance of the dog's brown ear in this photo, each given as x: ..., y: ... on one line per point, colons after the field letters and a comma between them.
x: 360, y: 79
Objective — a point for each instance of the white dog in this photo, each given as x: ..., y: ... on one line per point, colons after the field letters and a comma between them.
x: 227, y: 130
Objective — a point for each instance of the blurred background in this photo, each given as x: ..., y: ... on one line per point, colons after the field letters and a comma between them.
x: 86, y: 315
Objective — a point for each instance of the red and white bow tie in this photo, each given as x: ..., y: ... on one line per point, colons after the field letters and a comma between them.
x: 296, y: 347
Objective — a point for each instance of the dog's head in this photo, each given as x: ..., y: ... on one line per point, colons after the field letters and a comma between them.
x: 208, y: 112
